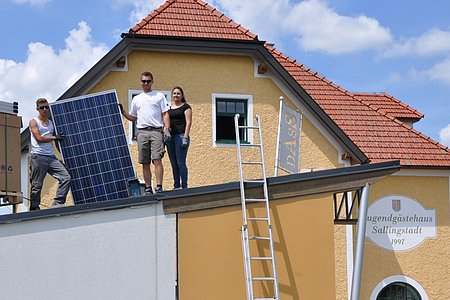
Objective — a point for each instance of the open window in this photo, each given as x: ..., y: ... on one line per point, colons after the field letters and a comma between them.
x: 225, y: 107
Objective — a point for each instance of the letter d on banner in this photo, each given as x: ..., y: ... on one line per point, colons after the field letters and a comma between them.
x: 288, y: 142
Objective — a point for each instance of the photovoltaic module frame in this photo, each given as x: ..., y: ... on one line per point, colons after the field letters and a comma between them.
x: 95, y: 150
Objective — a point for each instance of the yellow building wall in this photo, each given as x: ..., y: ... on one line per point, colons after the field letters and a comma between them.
x: 201, y: 75
x: 429, y: 262
x: 210, y: 251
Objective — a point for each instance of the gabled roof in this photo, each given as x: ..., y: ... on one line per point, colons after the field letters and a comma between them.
x: 388, y: 104
x: 369, y: 120
x: 379, y: 135
x: 364, y: 130
x: 191, y: 18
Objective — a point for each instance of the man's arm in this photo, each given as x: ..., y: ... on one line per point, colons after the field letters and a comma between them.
x: 166, y: 120
x: 37, y: 135
x: 126, y: 114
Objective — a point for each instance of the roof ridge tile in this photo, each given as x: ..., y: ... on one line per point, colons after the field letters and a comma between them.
x: 145, y: 27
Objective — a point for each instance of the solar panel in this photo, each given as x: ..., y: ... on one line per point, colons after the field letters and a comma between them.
x: 95, y: 150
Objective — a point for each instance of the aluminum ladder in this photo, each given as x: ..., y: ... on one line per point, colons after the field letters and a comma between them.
x: 257, y: 240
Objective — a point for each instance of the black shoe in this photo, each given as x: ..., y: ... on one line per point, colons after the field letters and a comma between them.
x: 35, y: 208
x: 158, y: 189
x: 148, y: 191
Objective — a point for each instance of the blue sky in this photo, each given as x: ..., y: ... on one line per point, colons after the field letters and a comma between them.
x: 396, y: 46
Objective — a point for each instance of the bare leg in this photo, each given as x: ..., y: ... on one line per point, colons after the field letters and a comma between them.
x: 159, y: 171
x: 147, y: 174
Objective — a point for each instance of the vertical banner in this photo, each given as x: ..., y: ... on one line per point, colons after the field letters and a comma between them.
x: 288, y: 143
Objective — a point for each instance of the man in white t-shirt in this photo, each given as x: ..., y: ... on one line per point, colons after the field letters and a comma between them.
x: 149, y: 110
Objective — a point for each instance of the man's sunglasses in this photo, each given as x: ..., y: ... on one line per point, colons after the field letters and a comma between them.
x: 146, y: 81
x: 44, y: 107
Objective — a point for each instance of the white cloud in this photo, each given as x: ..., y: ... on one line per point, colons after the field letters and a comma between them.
x: 311, y: 24
x: 46, y: 72
x: 32, y: 2
x: 262, y: 17
x: 141, y: 8
x: 439, y: 72
x: 444, y: 136
x: 319, y: 28
x: 434, y: 41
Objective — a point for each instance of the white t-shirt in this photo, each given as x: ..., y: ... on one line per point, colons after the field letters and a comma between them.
x: 43, y: 148
x: 148, y: 109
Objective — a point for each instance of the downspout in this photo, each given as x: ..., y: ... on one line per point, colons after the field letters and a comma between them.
x: 360, y: 236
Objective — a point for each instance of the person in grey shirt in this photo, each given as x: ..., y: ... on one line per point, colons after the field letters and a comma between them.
x: 43, y: 159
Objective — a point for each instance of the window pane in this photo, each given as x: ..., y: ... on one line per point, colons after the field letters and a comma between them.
x: 240, y: 107
x: 226, y: 109
x: 230, y: 107
x: 221, y: 106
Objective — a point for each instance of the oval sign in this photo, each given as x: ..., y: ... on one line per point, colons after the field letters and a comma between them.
x: 399, y: 223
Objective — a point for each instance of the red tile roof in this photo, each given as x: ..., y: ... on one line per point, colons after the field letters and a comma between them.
x: 191, y: 18
x: 368, y: 120
x: 388, y: 104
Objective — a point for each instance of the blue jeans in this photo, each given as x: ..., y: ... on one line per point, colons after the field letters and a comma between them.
x: 177, y: 156
x: 40, y: 166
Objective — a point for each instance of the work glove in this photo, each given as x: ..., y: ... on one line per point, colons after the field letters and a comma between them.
x: 167, y: 137
x: 60, y: 137
x: 121, y: 108
x: 184, y: 142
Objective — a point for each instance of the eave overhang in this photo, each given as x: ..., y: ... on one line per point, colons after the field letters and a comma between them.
x: 324, y: 182
x: 228, y: 194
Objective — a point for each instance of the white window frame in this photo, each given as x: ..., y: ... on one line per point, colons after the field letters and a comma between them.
x: 249, y: 99
x: 398, y: 278
x: 131, y: 94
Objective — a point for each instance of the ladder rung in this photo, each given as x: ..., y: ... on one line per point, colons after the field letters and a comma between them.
x: 259, y: 238
x: 254, y: 181
x: 247, y: 127
x: 258, y: 219
x: 261, y: 258
x: 252, y: 163
x: 262, y: 278
x: 250, y: 145
x: 255, y: 200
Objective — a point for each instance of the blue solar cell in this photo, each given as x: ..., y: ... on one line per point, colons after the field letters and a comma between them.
x: 95, y: 150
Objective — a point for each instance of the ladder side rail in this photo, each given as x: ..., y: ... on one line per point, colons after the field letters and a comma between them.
x: 269, y: 224
x: 247, y: 262
x: 241, y: 173
x: 245, y: 241
x: 265, y: 190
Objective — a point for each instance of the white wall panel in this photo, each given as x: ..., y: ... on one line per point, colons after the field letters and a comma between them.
x: 127, y: 253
